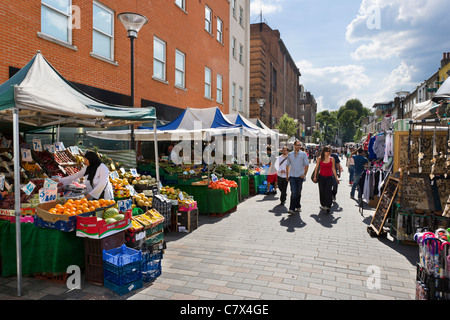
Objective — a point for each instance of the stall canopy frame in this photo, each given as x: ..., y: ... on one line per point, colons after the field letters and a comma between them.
x: 38, y: 96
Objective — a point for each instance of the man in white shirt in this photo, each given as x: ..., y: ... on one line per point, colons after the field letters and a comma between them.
x: 296, y: 171
x: 280, y: 165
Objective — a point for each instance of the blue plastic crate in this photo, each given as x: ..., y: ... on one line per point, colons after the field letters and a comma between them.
x: 151, y: 271
x: 122, y: 255
x: 123, y: 270
x: 151, y: 256
x: 262, y: 189
x: 124, y: 289
x: 121, y: 280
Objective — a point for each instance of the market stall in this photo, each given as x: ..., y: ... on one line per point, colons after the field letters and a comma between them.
x: 38, y: 96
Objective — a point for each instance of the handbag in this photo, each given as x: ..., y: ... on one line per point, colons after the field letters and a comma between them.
x: 318, y: 170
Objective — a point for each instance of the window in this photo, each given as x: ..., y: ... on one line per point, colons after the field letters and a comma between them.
x: 241, y: 53
x: 208, y: 19
x: 233, y: 7
x: 55, y: 19
x: 241, y: 93
x: 219, y: 30
x: 233, y: 96
x: 233, y: 47
x: 241, y: 16
x: 181, y: 4
x: 207, y: 83
x: 219, y: 89
x: 103, y: 33
x: 180, y: 60
x: 159, y: 59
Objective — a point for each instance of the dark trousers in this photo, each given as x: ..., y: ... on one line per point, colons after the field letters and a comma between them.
x: 325, y: 191
x: 282, y: 185
x: 296, y: 192
x: 334, y: 188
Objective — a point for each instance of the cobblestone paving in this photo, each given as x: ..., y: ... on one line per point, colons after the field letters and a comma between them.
x: 259, y: 252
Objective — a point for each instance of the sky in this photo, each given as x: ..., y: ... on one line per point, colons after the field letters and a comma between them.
x: 363, y: 49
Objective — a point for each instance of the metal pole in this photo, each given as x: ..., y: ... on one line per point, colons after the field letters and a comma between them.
x: 132, y: 142
x: 17, y: 198
x: 156, y: 153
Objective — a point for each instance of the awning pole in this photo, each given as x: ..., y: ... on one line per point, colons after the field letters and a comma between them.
x: 17, y: 198
x: 156, y: 153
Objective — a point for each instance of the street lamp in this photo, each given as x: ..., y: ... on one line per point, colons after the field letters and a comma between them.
x: 402, y: 95
x: 132, y: 22
x: 261, y: 102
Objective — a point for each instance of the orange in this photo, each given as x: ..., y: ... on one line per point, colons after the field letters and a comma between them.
x: 52, y: 210
x: 85, y: 209
x: 91, y: 208
x: 79, y: 212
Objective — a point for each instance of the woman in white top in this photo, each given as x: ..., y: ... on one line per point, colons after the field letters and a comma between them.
x: 280, y: 165
x: 96, y: 176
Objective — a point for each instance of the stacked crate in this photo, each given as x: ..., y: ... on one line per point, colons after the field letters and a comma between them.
x: 122, y: 269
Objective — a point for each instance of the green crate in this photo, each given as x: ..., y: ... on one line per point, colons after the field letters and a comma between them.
x: 155, y: 238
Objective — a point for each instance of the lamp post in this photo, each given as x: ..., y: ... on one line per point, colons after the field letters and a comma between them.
x: 132, y: 22
x: 261, y: 102
x: 402, y: 95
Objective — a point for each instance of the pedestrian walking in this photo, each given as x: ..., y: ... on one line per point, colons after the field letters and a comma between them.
x: 280, y: 165
x: 338, y: 167
x: 271, y: 175
x: 351, y: 166
x: 360, y: 163
x: 296, y: 169
x: 324, y: 176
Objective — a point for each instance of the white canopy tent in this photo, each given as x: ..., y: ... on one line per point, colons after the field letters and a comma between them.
x: 424, y: 110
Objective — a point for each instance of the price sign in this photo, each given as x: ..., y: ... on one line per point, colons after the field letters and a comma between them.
x: 50, y: 184
x: 180, y: 196
x: 132, y: 191
x: 28, y: 188
x: 59, y: 146
x: 37, y: 145
x: 47, y: 195
x: 113, y: 175
x: 122, y: 170
x: 50, y: 148
x: 5, y: 143
x: 26, y: 155
x: 214, y: 177
x: 124, y: 205
x: 74, y: 150
x: 134, y: 173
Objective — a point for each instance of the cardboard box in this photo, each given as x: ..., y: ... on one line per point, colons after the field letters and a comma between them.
x: 91, y: 227
x: 62, y: 222
x: 187, y: 206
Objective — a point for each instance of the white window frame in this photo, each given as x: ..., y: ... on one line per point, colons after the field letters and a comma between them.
x: 208, y: 85
x: 156, y: 39
x: 233, y: 8
x: 233, y: 47
x: 219, y: 88
x: 241, y: 53
x: 233, y: 96
x: 69, y: 21
x: 181, y: 4
x: 208, y: 19
x: 219, y: 28
x: 241, y: 93
x: 102, y: 6
x: 241, y: 16
x: 178, y: 70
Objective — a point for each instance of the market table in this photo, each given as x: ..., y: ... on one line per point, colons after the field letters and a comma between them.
x: 244, y: 184
x: 211, y: 201
x: 43, y: 250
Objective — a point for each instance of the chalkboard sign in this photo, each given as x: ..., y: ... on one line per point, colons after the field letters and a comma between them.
x: 384, y: 204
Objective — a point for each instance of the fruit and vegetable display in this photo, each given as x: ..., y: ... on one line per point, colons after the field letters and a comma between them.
x: 173, y: 193
x: 141, y: 200
x: 148, y: 219
x: 112, y: 215
x: 222, y: 184
x: 74, y: 207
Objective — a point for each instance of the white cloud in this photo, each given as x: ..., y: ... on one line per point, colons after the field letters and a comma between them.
x: 266, y: 6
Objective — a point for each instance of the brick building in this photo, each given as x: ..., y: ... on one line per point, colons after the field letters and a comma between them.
x: 181, y: 54
x: 273, y: 76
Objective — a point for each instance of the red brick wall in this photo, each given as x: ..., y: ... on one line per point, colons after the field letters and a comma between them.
x: 20, y: 24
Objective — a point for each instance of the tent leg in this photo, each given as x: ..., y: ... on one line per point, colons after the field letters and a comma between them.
x: 156, y: 153
x: 17, y: 198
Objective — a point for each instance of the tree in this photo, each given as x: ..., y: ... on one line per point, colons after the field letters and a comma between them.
x: 349, y: 117
x: 328, y: 122
x: 287, y: 125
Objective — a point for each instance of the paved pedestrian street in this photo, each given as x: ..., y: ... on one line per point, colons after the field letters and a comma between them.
x: 259, y: 252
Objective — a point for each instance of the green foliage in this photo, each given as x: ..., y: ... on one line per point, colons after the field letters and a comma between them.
x: 287, y: 125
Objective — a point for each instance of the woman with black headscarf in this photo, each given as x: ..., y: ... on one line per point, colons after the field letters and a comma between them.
x: 96, y: 176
